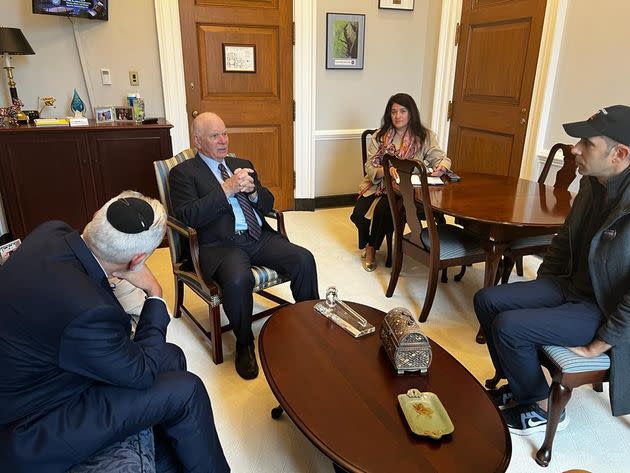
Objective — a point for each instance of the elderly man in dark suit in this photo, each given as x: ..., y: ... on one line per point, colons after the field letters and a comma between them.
x: 71, y: 379
x: 222, y: 198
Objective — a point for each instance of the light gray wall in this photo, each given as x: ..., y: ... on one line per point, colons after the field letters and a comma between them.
x: 128, y: 41
x: 400, y: 56
x: 593, y: 69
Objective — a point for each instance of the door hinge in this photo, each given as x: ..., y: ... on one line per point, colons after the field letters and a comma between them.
x: 449, y: 113
x: 457, y: 32
x: 294, y: 110
x: 293, y: 33
x: 294, y: 180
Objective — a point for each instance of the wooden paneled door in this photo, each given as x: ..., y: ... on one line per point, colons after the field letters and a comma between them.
x: 257, y: 107
x: 494, y: 77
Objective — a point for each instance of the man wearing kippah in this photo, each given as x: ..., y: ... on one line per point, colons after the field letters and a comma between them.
x: 71, y: 380
x: 581, y: 299
x: 220, y: 196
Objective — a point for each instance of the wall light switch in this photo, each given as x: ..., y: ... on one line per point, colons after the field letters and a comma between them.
x: 106, y: 77
x: 134, y: 79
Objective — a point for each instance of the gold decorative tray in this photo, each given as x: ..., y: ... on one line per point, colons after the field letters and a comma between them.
x: 425, y: 414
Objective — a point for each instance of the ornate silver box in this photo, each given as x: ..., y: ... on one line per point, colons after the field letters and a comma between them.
x: 407, y: 348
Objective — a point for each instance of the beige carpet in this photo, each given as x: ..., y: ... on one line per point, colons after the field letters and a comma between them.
x: 253, y: 442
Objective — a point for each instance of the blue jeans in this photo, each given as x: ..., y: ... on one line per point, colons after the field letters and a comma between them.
x: 519, y: 318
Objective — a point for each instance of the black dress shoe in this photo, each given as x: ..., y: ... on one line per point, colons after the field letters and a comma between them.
x: 245, y: 362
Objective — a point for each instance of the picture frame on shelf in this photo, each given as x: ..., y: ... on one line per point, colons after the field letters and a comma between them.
x: 396, y: 4
x: 124, y: 114
x: 239, y: 57
x: 104, y: 114
x: 345, y: 40
x: 7, y: 249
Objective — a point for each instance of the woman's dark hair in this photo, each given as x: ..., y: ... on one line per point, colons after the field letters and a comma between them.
x: 415, y: 125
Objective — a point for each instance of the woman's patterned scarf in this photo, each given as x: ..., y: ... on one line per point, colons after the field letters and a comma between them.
x: 408, y: 149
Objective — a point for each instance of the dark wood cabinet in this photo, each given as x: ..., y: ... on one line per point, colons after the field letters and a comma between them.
x: 68, y: 173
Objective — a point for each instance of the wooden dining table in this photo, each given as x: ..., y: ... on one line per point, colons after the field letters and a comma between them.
x: 501, y: 209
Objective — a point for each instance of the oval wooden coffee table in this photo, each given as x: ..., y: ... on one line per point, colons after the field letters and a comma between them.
x: 341, y: 393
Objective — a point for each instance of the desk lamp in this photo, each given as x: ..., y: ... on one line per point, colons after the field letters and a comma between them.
x: 12, y: 41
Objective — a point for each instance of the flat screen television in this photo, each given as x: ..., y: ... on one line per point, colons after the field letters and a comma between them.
x: 90, y: 9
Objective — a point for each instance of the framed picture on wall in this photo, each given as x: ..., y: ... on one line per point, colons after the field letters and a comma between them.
x: 396, y: 4
x: 239, y: 57
x: 345, y: 39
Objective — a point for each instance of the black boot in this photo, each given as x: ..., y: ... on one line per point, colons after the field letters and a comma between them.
x: 245, y: 361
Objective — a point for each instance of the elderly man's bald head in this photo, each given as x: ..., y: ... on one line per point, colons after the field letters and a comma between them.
x: 210, y: 136
x: 204, y: 120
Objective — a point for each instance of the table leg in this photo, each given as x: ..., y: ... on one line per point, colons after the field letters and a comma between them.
x: 493, y: 257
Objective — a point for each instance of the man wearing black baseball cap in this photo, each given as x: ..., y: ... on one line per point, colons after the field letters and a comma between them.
x: 71, y: 379
x: 581, y: 298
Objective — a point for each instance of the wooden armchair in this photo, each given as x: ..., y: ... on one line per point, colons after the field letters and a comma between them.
x: 365, y: 137
x: 184, y: 249
x: 568, y: 371
x: 538, y: 244
x: 439, y: 246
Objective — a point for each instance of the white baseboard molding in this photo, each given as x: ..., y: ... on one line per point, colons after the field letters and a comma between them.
x: 340, y: 134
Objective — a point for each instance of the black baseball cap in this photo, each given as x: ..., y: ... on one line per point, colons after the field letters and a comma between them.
x: 613, y: 122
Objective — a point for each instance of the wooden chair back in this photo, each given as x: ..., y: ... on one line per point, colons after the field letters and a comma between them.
x: 566, y: 174
x: 408, y: 212
x: 424, y: 242
x: 366, y: 136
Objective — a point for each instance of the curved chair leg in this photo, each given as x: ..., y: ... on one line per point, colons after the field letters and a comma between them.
x: 388, y: 240
x: 276, y: 412
x: 460, y: 275
x: 519, y: 265
x: 444, y: 277
x: 508, y: 266
x: 430, y: 295
x: 500, y: 268
x: 215, y: 334
x: 492, y: 382
x: 179, y: 297
x: 393, y: 278
x: 598, y: 387
x: 559, y: 395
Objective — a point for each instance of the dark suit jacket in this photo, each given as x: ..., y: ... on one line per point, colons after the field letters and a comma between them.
x: 62, y: 329
x: 199, y: 201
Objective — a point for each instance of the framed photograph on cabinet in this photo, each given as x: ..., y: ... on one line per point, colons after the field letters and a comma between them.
x: 239, y: 57
x: 124, y: 114
x: 345, y: 39
x: 104, y: 114
x: 396, y: 4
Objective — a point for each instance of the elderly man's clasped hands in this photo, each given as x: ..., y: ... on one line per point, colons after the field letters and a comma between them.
x: 240, y: 181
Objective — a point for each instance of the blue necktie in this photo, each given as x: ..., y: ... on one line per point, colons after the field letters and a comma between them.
x: 253, y: 227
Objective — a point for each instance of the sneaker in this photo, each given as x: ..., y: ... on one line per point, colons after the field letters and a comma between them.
x: 502, y: 397
x: 530, y: 418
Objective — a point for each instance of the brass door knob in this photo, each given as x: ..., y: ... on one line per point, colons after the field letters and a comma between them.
x: 195, y: 113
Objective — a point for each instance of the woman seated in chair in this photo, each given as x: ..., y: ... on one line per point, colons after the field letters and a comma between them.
x: 402, y: 135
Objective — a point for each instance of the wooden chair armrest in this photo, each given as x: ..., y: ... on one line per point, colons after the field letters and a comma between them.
x: 279, y: 217
x: 193, y: 246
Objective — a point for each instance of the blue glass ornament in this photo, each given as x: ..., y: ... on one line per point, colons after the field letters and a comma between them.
x: 77, y: 104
